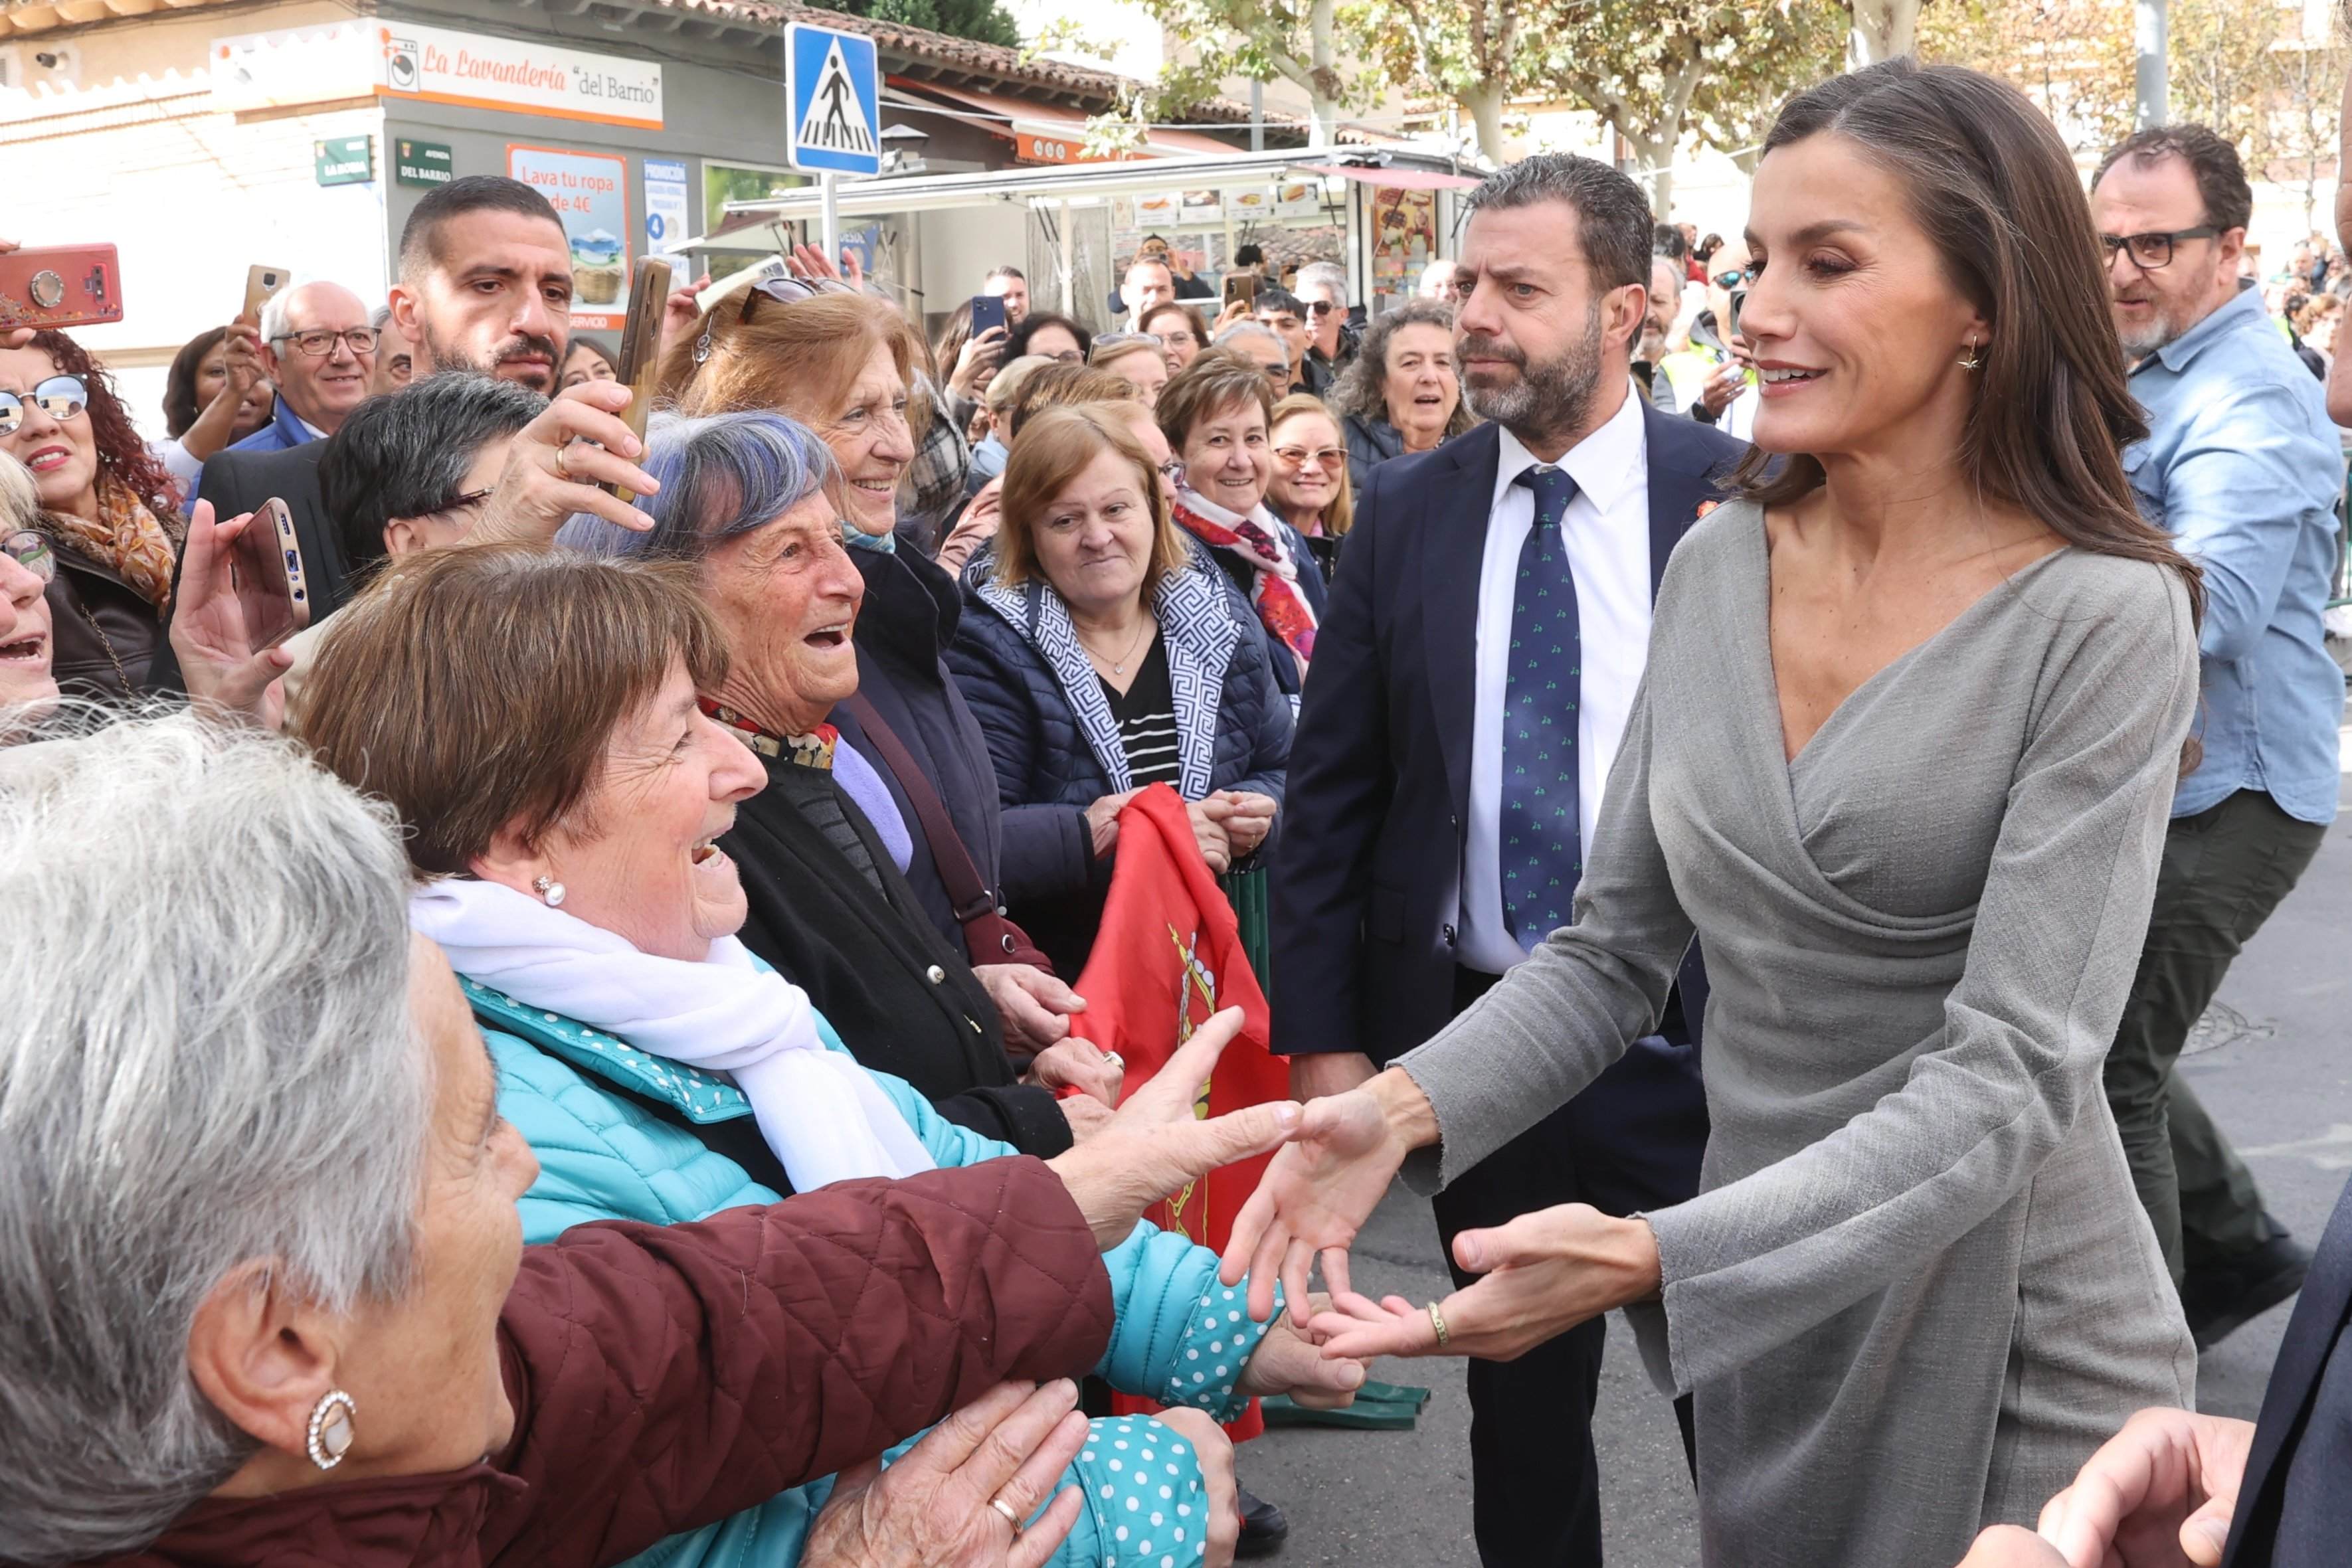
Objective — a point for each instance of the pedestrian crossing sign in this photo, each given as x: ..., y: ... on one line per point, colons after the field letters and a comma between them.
x: 833, y: 89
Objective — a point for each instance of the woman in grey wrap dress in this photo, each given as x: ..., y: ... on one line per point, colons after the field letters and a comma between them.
x: 1916, y: 1290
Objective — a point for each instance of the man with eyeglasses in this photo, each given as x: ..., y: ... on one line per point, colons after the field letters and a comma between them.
x: 319, y: 347
x: 2243, y: 467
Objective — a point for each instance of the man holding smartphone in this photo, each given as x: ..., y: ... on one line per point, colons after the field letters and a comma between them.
x: 1712, y: 381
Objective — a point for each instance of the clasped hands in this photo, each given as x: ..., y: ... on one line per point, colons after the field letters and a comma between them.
x: 1543, y: 1272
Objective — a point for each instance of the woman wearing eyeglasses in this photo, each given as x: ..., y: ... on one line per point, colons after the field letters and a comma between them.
x: 109, y: 508
x: 1308, y: 489
x: 1403, y: 392
x: 1135, y: 357
x: 1182, y: 329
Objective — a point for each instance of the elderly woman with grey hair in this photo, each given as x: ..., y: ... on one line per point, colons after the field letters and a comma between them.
x: 864, y: 738
x: 658, y: 1068
x: 260, y: 1260
x: 1262, y: 346
x: 1402, y: 392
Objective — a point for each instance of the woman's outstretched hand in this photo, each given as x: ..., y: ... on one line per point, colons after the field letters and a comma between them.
x: 1154, y: 1143
x: 1318, y: 1192
x: 1545, y: 1273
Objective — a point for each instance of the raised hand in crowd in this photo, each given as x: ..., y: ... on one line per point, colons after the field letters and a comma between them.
x: 682, y: 312
x: 981, y: 352
x: 1724, y: 384
x: 945, y: 1503
x: 809, y: 262
x: 558, y: 464
x: 226, y: 677
x: 216, y: 424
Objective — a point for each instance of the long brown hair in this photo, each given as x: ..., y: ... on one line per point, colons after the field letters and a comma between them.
x: 1995, y: 191
x: 1341, y: 514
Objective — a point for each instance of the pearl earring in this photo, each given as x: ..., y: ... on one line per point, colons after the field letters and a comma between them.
x: 547, y: 888
x: 331, y: 1428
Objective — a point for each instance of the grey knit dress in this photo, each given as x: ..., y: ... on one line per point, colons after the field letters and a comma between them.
x: 1915, y: 1290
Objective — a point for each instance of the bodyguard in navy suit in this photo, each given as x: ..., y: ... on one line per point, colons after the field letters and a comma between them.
x: 1472, y: 677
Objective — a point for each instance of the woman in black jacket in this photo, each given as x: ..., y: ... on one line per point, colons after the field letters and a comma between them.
x: 1101, y: 653
x: 824, y: 851
x: 1403, y: 393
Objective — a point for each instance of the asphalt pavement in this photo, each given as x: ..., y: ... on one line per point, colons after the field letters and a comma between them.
x: 2273, y: 1062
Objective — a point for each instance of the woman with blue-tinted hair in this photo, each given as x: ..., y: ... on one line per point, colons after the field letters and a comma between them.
x: 567, y: 817
x: 830, y: 849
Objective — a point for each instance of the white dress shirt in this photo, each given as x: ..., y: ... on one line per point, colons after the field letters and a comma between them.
x: 1606, y: 529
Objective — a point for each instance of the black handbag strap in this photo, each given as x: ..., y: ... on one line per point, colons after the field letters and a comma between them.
x: 958, y: 874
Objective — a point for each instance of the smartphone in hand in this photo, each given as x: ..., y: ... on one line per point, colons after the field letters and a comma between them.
x: 987, y: 310
x: 641, y: 342
x: 260, y: 283
x: 60, y: 285
x: 265, y: 566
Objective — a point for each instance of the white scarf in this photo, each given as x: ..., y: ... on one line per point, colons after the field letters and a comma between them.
x: 823, y: 1114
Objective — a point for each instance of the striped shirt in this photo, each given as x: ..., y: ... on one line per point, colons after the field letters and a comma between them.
x: 1146, y: 713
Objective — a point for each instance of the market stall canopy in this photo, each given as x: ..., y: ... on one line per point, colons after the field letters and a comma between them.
x: 1049, y: 133
x: 1083, y: 183
x: 1395, y: 179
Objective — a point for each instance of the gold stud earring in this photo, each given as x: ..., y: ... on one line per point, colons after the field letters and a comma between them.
x: 1972, y: 362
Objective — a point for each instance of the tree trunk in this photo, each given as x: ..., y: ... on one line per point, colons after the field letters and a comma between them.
x: 1324, y: 111
x: 1882, y: 30
x: 1486, y: 107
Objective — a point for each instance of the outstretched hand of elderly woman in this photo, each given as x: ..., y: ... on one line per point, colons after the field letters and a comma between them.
x: 1154, y: 1143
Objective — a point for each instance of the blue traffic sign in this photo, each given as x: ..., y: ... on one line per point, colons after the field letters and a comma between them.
x: 833, y: 90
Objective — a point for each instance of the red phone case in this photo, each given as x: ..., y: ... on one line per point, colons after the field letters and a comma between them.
x: 65, y: 286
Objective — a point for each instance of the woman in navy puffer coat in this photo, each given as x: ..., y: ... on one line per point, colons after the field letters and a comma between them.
x: 1101, y: 653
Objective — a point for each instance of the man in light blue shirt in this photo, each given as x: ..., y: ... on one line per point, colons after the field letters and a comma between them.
x: 2243, y: 467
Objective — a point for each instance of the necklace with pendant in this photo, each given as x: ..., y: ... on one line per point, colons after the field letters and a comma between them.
x: 1119, y: 665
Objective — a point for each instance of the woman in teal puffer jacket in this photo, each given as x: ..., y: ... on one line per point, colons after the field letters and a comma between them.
x: 568, y: 808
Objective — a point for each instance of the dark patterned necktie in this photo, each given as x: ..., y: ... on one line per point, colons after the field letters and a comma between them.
x: 1542, y: 851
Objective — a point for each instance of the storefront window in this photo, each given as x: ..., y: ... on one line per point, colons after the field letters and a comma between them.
x: 753, y: 241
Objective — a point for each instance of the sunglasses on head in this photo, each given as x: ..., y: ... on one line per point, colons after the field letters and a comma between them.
x: 783, y: 290
x: 59, y: 397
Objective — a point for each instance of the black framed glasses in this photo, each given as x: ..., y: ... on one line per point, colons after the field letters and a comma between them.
x: 319, y: 341
x: 1320, y: 306
x: 31, y: 552
x: 2151, y: 251
x: 59, y: 397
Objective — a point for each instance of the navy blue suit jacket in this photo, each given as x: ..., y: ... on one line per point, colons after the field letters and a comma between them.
x: 2294, y: 1504
x: 1365, y: 889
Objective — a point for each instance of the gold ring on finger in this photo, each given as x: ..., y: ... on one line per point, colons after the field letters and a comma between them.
x: 1010, y: 1518
x: 563, y: 460
x: 1437, y: 1322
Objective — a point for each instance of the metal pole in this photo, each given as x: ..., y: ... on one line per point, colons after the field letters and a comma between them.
x: 1067, y: 297
x: 829, y: 218
x: 1258, y: 117
x: 2151, y: 78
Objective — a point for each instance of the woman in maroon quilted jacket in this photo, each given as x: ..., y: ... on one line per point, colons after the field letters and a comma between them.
x: 262, y: 1266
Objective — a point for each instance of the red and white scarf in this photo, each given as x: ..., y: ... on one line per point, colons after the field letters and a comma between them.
x: 1256, y: 541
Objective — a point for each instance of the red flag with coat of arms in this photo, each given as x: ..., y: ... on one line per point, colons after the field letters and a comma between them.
x: 1168, y: 956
